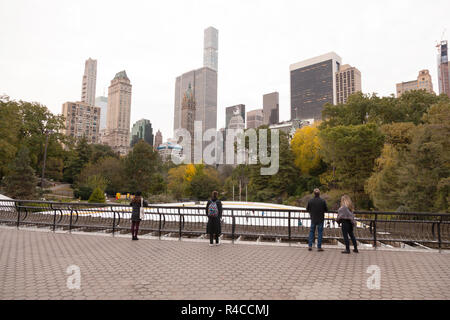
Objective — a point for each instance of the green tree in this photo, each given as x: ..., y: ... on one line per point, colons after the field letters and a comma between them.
x: 97, y: 196
x: 279, y: 186
x: 352, y: 151
x: 77, y: 160
x: 204, y: 182
x: 20, y: 183
x: 141, y: 165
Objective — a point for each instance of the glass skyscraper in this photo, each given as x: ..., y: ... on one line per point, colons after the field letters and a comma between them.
x: 313, y: 84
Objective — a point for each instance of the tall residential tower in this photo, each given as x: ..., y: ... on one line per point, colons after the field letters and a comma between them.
x: 89, y: 82
x: 118, y: 119
x: 210, y: 48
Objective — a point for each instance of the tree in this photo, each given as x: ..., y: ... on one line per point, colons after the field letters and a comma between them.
x: 306, y: 149
x: 100, y: 151
x: 279, y: 186
x: 77, y: 160
x: 141, y: 165
x: 97, y: 196
x: 352, y: 151
x: 176, y: 184
x: 203, y: 183
x: 363, y: 109
x: 20, y: 183
x: 414, y: 169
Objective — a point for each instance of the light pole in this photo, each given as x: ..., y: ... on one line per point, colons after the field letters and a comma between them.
x: 47, y: 133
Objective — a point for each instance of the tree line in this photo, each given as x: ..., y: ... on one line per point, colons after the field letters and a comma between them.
x: 387, y: 153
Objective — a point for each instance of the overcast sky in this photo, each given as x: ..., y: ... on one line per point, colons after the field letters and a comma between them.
x: 43, y: 46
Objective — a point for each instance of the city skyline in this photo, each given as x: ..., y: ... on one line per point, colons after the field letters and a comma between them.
x: 154, y: 62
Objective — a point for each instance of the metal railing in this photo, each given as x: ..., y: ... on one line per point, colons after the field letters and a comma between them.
x: 284, y: 224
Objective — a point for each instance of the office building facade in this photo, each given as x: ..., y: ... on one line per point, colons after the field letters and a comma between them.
x: 158, y: 139
x: 255, y: 119
x: 89, y: 83
x: 423, y: 82
x: 443, y: 68
x: 102, y: 102
x: 230, y: 112
x: 82, y: 120
x: 348, y: 82
x: 271, y: 108
x: 313, y: 84
x: 141, y: 130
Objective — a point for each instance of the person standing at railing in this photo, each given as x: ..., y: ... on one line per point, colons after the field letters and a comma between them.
x: 316, y: 208
x: 347, y: 219
x: 137, y: 202
x: 214, y: 213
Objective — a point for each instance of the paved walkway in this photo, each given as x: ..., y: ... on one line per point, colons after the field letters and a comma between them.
x: 33, y: 265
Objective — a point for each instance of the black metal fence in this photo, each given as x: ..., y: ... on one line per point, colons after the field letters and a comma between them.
x: 375, y: 228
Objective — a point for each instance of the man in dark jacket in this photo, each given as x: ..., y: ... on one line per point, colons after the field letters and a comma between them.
x: 316, y: 208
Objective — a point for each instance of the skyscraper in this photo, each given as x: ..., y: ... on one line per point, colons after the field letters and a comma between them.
x: 423, y: 82
x: 158, y: 139
x: 313, y: 84
x: 443, y: 68
x: 89, y: 82
x: 141, y: 130
x: 188, y: 115
x: 232, y: 111
x: 102, y: 102
x: 82, y: 120
x: 119, y: 108
x: 203, y: 82
x: 255, y: 119
x: 210, y: 48
x: 271, y: 108
x: 348, y: 82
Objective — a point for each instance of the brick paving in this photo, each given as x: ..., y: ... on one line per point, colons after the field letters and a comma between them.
x: 33, y: 266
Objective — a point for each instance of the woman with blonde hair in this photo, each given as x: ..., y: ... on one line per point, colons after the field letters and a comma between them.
x: 347, y: 219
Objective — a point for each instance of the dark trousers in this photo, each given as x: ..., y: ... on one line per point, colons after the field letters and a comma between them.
x: 347, y: 230
x: 211, y: 238
x: 134, y: 228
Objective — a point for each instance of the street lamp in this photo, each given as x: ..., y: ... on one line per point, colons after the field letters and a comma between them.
x: 47, y: 133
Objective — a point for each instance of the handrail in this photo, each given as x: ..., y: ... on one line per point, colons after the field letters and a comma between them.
x: 286, y: 223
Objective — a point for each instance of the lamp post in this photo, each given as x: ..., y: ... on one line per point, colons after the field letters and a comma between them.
x: 47, y: 133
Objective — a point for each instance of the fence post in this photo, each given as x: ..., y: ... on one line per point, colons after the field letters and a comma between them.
x: 159, y: 228
x: 233, y: 225
x: 375, y: 231
x: 114, y: 223
x: 439, y: 233
x: 18, y: 214
x: 289, y: 226
x: 179, y: 217
x: 54, y: 217
x: 70, y: 221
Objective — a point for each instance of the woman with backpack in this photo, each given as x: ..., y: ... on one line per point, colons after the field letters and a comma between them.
x: 347, y: 219
x: 214, y: 214
x: 136, y: 203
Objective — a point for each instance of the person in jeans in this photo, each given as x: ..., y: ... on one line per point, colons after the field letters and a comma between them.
x: 346, y: 218
x: 214, y: 214
x: 316, y: 208
x: 135, y: 219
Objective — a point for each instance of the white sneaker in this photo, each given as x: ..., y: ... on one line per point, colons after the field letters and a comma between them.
x: 211, y: 244
x: 218, y: 244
